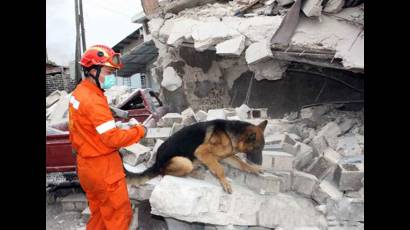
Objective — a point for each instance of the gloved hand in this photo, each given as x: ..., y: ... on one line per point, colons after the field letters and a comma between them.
x: 133, y: 122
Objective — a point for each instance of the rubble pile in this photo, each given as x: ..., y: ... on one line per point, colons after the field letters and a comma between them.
x: 313, y: 164
x: 57, y: 102
x: 205, y: 47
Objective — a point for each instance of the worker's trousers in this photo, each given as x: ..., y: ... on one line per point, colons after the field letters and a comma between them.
x: 103, y: 180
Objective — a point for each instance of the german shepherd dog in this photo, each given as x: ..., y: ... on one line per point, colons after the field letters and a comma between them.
x: 210, y: 142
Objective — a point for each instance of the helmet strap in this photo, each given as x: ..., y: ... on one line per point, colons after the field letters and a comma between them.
x: 95, y: 77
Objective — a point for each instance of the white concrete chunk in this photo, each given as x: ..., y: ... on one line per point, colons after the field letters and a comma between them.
x: 242, y: 111
x: 135, y: 154
x: 304, y: 183
x: 258, y: 52
x: 348, y: 176
x: 269, y: 69
x: 349, y: 146
x: 154, y: 26
x: 188, y: 117
x: 201, y: 115
x: 312, y: 7
x: 284, y: 2
x: 334, y: 6
x: 170, y: 118
x: 324, y: 191
x: 231, y: 47
x: 158, y: 133
x: 277, y: 161
x: 171, y: 81
x: 194, y: 200
x: 265, y: 183
x: 215, y: 114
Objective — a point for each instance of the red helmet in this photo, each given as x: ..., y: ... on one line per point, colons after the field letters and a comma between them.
x: 101, y: 55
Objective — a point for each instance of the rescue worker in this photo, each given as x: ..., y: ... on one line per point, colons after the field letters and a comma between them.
x: 96, y: 140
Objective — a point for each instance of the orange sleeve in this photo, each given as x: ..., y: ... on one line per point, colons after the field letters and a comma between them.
x: 101, y: 117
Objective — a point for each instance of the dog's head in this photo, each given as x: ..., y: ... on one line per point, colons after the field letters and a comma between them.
x: 252, y: 142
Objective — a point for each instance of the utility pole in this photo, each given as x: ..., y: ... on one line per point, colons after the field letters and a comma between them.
x: 82, y: 26
x: 77, y: 43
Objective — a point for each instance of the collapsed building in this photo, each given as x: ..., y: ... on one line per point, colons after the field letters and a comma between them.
x: 299, y: 64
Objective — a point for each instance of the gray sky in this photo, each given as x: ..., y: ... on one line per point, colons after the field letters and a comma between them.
x: 106, y: 22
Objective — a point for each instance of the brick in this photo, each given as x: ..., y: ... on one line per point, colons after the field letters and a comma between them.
x: 263, y: 183
x: 135, y: 154
x: 304, y: 157
x: 304, y: 183
x: 285, y: 181
x: 170, y: 118
x: 277, y: 161
x: 188, y: 117
x: 201, y: 115
x: 324, y: 164
x: 325, y: 191
x: 161, y: 133
x: 348, y: 176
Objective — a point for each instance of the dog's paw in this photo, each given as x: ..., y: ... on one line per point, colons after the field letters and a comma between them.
x: 227, y: 187
x: 253, y: 169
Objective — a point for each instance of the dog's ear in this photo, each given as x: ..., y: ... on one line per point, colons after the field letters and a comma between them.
x: 263, y: 124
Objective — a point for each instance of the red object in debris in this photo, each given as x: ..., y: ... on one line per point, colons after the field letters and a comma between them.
x: 59, y: 156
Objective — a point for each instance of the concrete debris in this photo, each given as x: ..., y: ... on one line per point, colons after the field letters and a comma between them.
x: 284, y: 2
x: 285, y: 180
x: 117, y: 93
x: 334, y: 6
x: 176, y: 127
x: 231, y: 47
x: 171, y: 81
x: 188, y: 117
x: 210, y: 33
x: 330, y: 131
x: 304, y: 156
x: 135, y: 154
x: 349, y: 146
x: 258, y: 52
x: 265, y: 183
x: 346, y: 209
x: 242, y: 111
x: 269, y: 70
x: 174, y: 224
x: 261, y: 113
x: 169, y: 119
x: 158, y: 133
x: 54, y: 97
x: 194, y: 200
x: 312, y: 7
x: 181, y: 30
x: 277, y: 161
x: 215, y: 114
x: 348, y: 176
x: 154, y: 26
x: 324, y: 191
x: 304, y: 183
x: 324, y: 164
x: 59, y: 114
x: 201, y: 115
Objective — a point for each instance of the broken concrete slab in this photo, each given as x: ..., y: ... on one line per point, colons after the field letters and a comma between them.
x: 158, y: 133
x: 324, y: 191
x: 215, y: 114
x: 319, y: 144
x: 324, y: 164
x: 349, y: 146
x: 135, y: 154
x: 188, y: 117
x: 176, y: 127
x: 269, y: 69
x: 348, y: 176
x: 334, y: 6
x: 194, y: 200
x: 209, y: 33
x: 285, y: 180
x: 346, y: 209
x: 277, y: 161
x: 265, y: 183
x: 171, y: 81
x: 304, y: 183
x: 312, y: 7
x: 330, y: 131
x: 258, y: 52
x: 231, y: 47
x: 304, y: 157
x: 181, y: 30
x: 201, y: 115
x: 54, y: 97
x: 154, y: 26
x: 314, y: 113
x: 284, y: 2
x: 170, y: 118
x: 242, y: 111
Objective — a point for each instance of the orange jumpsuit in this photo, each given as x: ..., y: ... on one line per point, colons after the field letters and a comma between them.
x: 96, y: 139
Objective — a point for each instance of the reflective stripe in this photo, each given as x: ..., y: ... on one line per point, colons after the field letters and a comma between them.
x: 74, y: 102
x: 104, y: 127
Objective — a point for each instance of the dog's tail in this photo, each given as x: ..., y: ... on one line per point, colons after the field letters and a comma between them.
x: 141, y: 178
